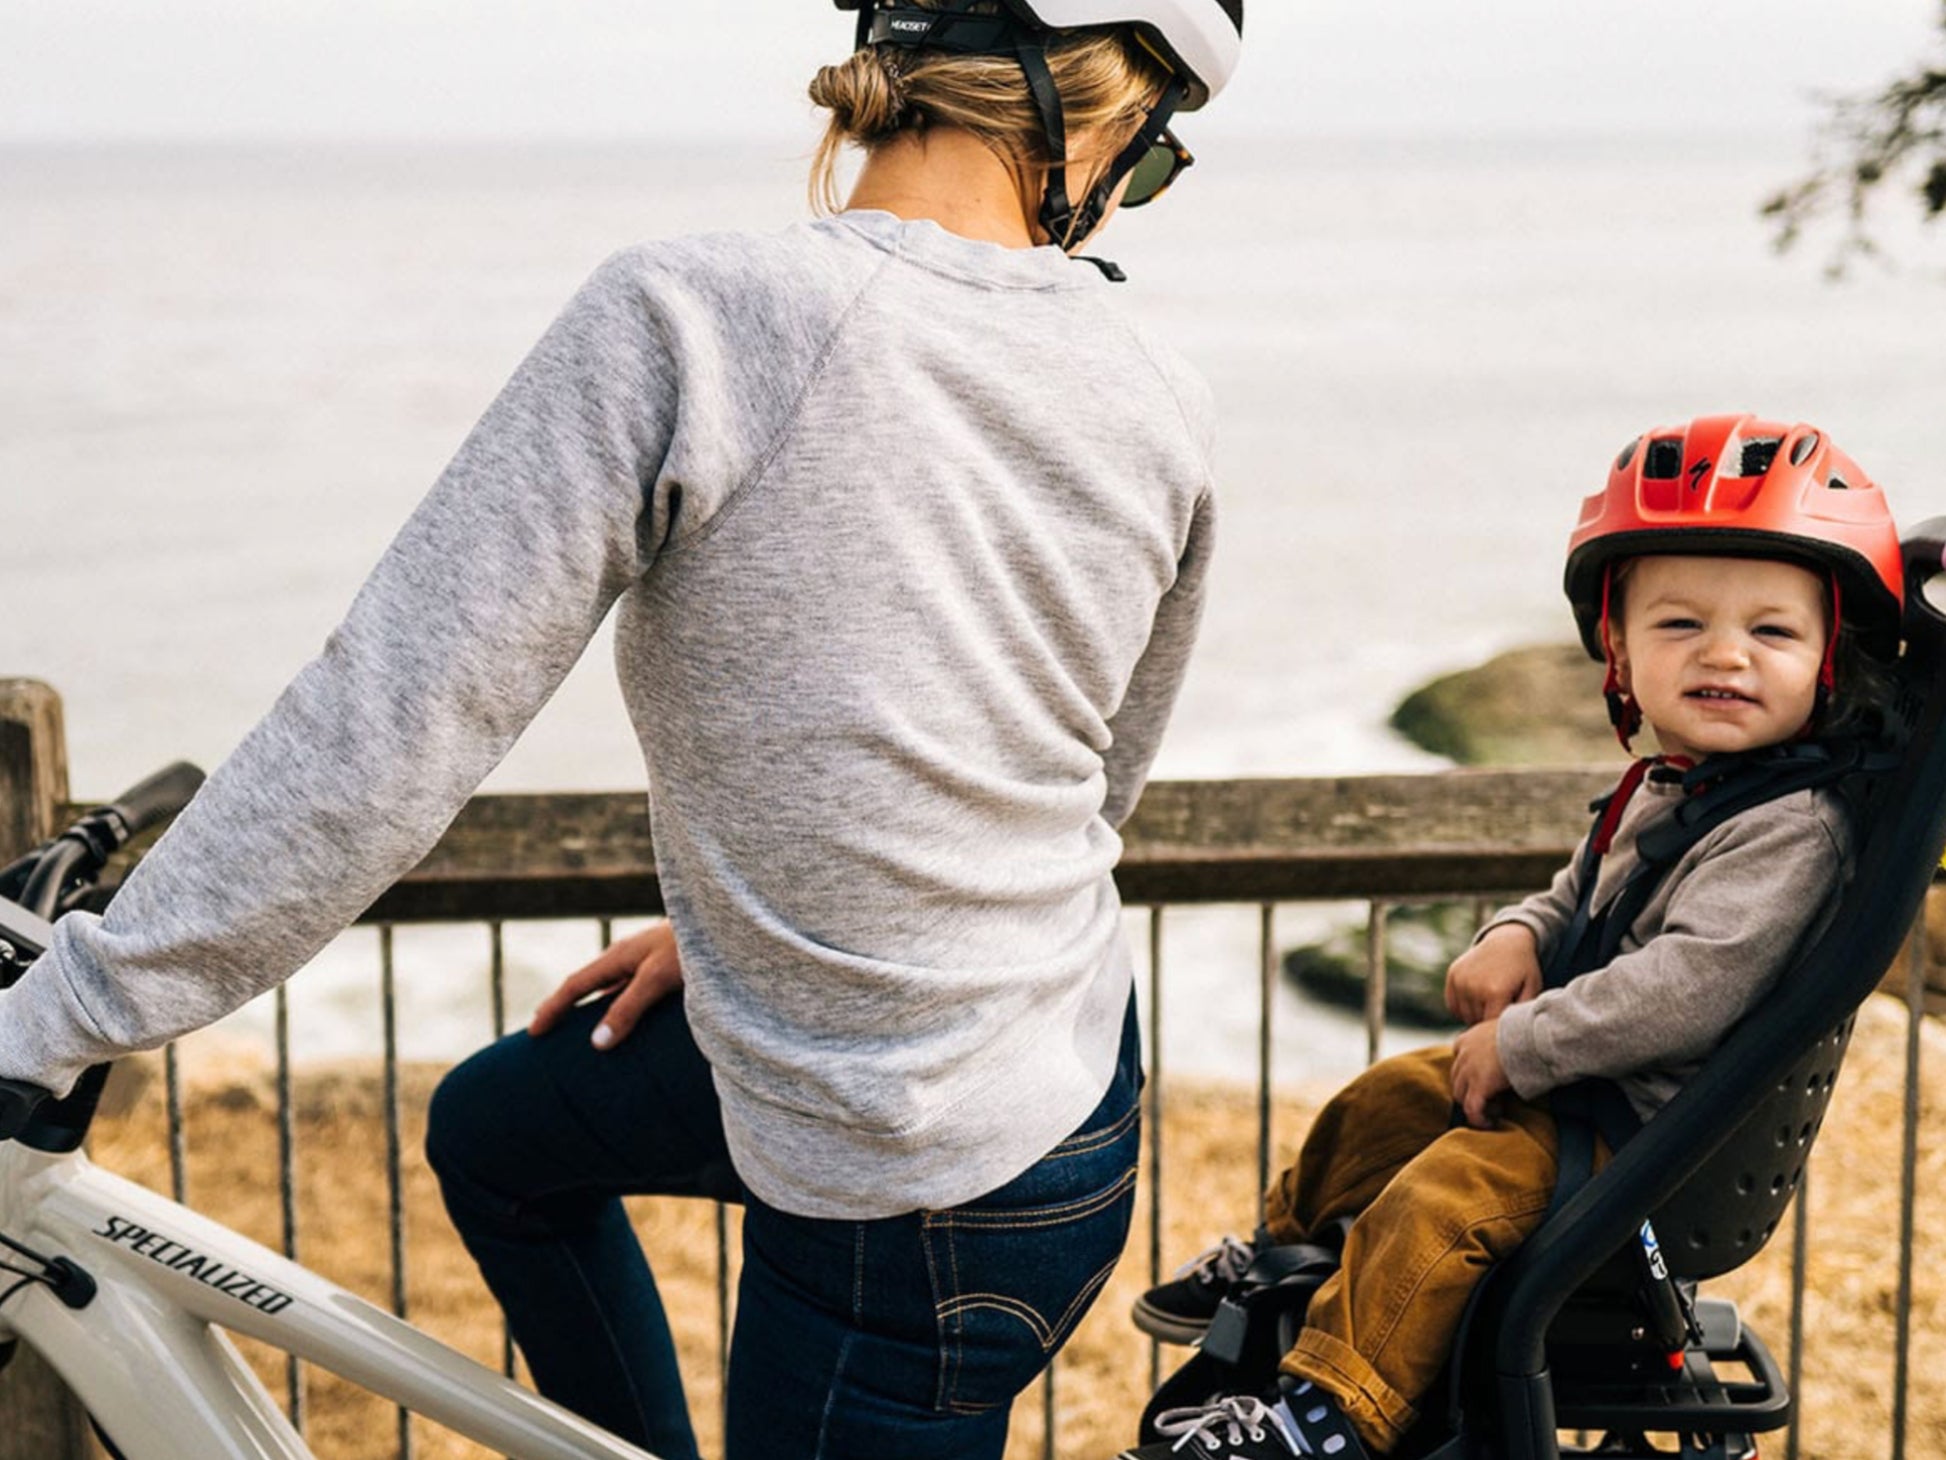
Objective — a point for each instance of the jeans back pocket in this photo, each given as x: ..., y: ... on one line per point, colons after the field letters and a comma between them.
x: 1014, y: 1271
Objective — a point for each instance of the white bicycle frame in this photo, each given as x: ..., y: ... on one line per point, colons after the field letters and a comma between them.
x: 148, y: 1358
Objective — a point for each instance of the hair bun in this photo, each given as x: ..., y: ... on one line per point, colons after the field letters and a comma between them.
x: 862, y: 94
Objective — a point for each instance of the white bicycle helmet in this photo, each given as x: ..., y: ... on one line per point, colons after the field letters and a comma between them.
x: 1199, y: 41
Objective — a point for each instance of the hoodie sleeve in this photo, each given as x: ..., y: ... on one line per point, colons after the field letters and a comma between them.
x: 1736, y: 909
x: 550, y: 510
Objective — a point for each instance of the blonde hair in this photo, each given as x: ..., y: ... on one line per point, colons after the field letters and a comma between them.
x: 1106, y: 79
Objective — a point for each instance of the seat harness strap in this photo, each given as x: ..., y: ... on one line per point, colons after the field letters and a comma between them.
x: 1715, y: 790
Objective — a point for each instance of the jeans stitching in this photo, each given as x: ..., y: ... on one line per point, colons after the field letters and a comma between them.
x: 939, y: 1329
x: 1083, y: 1142
x: 1019, y: 1308
x: 1082, y: 1299
x: 1049, y: 1334
x: 608, y: 1332
x: 831, y: 1396
x: 947, y: 1321
x: 950, y: 1313
x: 1033, y: 1218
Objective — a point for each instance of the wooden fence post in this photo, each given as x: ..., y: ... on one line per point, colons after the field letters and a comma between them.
x: 39, y: 1418
x: 33, y: 764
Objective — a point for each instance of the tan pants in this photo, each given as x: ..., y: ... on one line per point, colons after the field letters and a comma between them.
x: 1434, y: 1207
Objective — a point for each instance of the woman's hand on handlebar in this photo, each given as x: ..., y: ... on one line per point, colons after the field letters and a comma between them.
x: 644, y: 966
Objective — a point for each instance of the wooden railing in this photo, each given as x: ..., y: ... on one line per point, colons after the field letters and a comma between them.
x: 1460, y: 833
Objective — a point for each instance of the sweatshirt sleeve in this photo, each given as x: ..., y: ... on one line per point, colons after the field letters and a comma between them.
x: 1738, y: 907
x: 479, y: 608
x: 1139, y: 721
x: 1546, y: 914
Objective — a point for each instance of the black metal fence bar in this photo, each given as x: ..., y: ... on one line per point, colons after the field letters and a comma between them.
x: 1375, y: 962
x: 1156, y: 1088
x: 394, y: 1166
x: 1266, y: 991
x: 1800, y: 1263
x: 1050, y: 1413
x: 1915, y: 997
x: 497, y: 992
x: 725, y: 1310
x: 178, y: 1148
x: 287, y: 1182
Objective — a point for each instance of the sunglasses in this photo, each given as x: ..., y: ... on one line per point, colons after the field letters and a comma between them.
x: 1160, y: 166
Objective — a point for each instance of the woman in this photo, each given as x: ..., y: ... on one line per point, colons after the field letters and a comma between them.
x: 908, y: 529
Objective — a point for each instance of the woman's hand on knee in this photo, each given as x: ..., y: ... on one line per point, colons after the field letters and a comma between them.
x: 644, y: 966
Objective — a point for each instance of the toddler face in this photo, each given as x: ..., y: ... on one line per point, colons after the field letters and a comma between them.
x: 1722, y: 654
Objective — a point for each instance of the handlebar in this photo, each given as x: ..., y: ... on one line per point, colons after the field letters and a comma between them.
x: 78, y: 853
x: 157, y: 798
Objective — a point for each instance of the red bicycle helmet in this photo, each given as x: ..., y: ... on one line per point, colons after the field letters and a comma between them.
x: 1740, y: 486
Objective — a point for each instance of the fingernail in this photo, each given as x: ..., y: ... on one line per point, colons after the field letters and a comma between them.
x: 602, y: 1037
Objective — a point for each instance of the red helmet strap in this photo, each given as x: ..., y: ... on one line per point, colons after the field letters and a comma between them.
x: 1623, y: 712
x: 1828, y: 671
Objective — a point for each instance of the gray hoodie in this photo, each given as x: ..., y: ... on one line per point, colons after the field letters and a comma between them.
x: 908, y: 535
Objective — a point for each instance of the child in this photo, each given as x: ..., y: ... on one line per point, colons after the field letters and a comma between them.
x: 1734, y: 576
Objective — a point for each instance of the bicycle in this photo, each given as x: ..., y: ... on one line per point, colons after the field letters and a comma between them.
x: 128, y: 1295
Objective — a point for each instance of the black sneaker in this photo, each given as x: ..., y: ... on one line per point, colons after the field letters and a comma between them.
x: 1179, y: 1311
x: 1236, y: 1427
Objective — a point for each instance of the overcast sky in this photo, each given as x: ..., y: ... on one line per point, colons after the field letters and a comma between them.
x: 248, y: 70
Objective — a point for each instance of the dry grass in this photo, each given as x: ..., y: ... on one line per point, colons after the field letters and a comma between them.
x: 1209, y: 1152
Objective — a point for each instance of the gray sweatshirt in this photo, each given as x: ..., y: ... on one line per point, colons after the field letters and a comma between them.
x: 1710, y: 944
x: 908, y: 534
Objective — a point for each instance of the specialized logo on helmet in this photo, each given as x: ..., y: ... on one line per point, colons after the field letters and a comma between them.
x: 1698, y: 471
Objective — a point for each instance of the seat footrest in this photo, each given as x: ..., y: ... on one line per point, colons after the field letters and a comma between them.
x: 1695, y: 1398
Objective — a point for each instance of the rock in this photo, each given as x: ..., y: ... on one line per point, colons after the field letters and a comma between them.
x: 1419, y: 943
x: 1540, y: 705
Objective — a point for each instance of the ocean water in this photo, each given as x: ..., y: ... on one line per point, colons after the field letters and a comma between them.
x: 227, y: 375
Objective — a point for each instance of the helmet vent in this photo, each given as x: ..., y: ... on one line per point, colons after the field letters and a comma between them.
x: 1628, y: 454
x: 1755, y: 458
x: 1838, y: 483
x: 1663, y: 460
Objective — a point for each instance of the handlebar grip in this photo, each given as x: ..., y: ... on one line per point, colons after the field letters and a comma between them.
x: 158, y: 797
x: 18, y: 1101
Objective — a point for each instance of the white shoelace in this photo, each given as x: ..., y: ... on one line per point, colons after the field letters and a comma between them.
x: 1236, y: 1415
x: 1223, y: 1263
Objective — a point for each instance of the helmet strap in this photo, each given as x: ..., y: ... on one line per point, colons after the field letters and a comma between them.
x: 1828, y: 668
x: 1058, y: 215
x: 1624, y: 713
x: 1067, y: 223
x: 957, y: 28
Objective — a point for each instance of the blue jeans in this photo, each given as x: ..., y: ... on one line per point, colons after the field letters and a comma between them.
x: 903, y: 1337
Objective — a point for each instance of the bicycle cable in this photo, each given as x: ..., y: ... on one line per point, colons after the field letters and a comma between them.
x: 62, y: 1276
